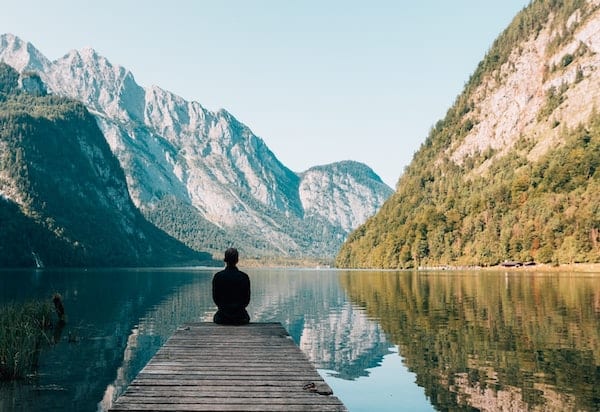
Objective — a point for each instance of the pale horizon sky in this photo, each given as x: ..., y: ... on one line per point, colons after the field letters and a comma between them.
x: 318, y: 81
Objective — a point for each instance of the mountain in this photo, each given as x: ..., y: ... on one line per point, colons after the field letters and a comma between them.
x: 513, y: 170
x: 203, y: 176
x: 63, y: 194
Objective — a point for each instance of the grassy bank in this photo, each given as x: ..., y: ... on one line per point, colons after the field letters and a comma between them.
x: 22, y: 329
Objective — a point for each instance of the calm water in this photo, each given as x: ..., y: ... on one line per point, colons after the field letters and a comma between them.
x: 384, y: 341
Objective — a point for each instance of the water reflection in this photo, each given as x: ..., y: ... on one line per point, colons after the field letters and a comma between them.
x: 491, y: 341
x: 189, y: 302
x: 485, y: 341
x: 334, y: 334
x: 119, y: 319
x: 102, y: 307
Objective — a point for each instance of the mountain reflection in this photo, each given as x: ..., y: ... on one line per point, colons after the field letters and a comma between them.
x: 486, y: 341
x: 332, y: 333
x: 102, y: 307
x: 491, y: 341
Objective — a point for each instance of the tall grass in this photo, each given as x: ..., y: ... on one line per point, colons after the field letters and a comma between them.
x: 22, y: 329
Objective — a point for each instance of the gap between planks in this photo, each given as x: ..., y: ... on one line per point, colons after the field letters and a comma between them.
x: 208, y: 367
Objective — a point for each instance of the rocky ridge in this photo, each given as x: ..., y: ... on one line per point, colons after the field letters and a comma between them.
x: 507, y: 106
x: 63, y: 195
x: 177, y: 155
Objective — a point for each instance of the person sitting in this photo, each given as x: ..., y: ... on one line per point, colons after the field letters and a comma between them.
x: 231, y: 292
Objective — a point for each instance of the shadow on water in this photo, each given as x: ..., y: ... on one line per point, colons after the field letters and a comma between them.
x: 491, y: 341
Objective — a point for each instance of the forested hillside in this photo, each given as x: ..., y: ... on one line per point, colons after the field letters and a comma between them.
x: 513, y: 170
x: 63, y: 195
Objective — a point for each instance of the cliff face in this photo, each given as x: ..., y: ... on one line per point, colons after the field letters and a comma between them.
x: 188, y: 167
x: 511, y: 172
x: 550, y: 78
x: 63, y: 195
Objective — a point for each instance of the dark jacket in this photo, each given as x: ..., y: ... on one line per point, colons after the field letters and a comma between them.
x: 231, y: 293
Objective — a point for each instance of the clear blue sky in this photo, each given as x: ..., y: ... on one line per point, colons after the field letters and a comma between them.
x: 319, y: 80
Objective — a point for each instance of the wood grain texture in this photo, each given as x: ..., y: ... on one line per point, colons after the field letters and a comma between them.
x: 209, y: 367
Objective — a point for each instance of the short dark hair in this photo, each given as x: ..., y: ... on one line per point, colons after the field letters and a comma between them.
x: 231, y: 255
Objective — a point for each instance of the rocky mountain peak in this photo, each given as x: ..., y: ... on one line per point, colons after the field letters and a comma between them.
x: 105, y: 88
x: 179, y: 156
x: 340, y: 192
x: 22, y: 55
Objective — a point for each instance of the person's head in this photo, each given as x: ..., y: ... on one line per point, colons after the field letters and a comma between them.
x: 231, y: 256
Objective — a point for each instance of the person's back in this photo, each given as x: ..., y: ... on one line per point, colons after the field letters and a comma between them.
x: 231, y: 292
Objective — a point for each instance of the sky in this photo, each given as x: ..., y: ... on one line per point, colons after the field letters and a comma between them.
x: 319, y: 81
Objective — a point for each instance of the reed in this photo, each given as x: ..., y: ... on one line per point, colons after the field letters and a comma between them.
x: 22, y: 333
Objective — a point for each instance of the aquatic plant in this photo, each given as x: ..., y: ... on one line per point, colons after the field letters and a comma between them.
x: 22, y: 333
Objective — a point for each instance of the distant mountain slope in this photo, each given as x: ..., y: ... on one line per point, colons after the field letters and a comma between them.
x: 513, y: 170
x: 63, y: 195
x: 340, y: 193
x: 203, y: 176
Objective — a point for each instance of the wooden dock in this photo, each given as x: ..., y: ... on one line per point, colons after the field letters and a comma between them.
x: 208, y: 367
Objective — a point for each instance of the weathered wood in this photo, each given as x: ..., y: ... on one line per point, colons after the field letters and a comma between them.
x: 227, y: 408
x: 202, y: 400
x: 215, y: 392
x: 208, y: 367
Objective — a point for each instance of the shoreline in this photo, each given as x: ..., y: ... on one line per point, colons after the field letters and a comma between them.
x: 568, y: 267
x: 541, y: 267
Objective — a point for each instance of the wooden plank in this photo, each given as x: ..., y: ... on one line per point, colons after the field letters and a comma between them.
x: 226, y: 408
x: 202, y: 400
x: 216, y: 392
x: 208, y: 367
x: 227, y: 368
x: 274, y: 382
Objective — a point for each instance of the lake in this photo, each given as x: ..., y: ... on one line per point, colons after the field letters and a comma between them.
x: 383, y: 340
